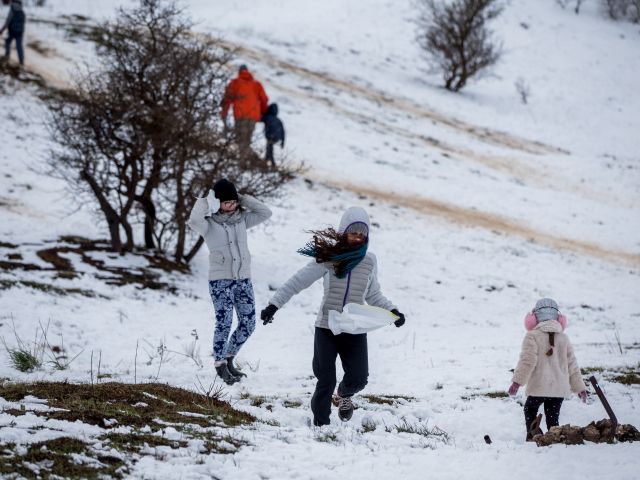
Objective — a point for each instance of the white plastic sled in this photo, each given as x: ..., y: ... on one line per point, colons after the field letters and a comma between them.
x: 356, y: 318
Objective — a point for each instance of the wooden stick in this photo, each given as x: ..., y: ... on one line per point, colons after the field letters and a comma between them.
x: 605, y: 404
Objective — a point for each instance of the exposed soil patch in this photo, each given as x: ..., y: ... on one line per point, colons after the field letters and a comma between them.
x: 18, y: 74
x: 41, y: 48
x: 48, y: 288
x: 596, y: 432
x: 95, y: 253
x: 496, y: 394
x: 623, y: 375
x: 60, y: 458
x: 148, y: 410
x: 387, y: 399
x: 114, y: 404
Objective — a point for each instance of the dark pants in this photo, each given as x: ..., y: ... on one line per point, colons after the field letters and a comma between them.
x: 269, y: 156
x: 551, y: 410
x: 7, y: 45
x: 355, y: 363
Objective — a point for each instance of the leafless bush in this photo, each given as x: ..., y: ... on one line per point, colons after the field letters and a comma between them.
x: 623, y: 9
x: 455, y: 38
x: 141, y: 135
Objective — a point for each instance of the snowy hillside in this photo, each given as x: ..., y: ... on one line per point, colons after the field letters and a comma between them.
x: 480, y: 205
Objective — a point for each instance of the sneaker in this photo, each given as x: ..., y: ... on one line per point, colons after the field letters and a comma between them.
x: 234, y: 371
x: 345, y: 407
x: 226, y: 376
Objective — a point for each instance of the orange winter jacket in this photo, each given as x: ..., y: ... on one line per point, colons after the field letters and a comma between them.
x: 247, y: 97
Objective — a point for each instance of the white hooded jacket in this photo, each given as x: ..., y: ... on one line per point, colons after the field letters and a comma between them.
x: 555, y: 375
x: 359, y: 286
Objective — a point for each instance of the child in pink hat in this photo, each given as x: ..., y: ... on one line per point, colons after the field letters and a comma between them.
x: 547, y: 365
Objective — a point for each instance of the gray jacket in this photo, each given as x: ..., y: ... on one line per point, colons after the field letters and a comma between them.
x: 359, y: 286
x: 226, y: 236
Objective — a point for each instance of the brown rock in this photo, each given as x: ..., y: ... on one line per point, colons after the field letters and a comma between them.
x: 598, y: 432
x: 627, y: 433
x: 591, y: 433
x: 572, y: 435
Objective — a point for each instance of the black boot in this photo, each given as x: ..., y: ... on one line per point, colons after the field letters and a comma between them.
x: 234, y: 371
x: 226, y: 376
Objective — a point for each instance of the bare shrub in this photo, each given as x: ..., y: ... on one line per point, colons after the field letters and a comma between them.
x: 455, y: 38
x: 623, y: 9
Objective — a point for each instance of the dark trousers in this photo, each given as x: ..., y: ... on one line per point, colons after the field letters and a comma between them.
x: 355, y: 363
x: 551, y: 410
x: 269, y: 155
x: 7, y: 45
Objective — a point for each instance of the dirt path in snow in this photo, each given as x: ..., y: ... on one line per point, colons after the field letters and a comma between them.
x: 475, y: 218
x: 510, y: 166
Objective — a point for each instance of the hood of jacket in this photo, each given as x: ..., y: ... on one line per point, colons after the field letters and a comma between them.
x: 245, y: 75
x: 272, y: 109
x: 16, y: 4
x: 549, y: 326
x: 354, y: 215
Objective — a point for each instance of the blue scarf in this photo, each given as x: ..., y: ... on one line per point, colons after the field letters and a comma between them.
x: 344, y: 262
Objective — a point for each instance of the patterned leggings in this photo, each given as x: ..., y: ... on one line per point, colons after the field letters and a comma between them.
x: 227, y: 294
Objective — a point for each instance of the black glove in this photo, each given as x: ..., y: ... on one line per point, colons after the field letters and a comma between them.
x: 399, y: 322
x: 267, y: 314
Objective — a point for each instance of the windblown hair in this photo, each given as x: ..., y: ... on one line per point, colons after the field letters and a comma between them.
x: 330, y: 245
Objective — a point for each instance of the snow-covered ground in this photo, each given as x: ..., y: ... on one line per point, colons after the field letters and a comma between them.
x: 480, y: 204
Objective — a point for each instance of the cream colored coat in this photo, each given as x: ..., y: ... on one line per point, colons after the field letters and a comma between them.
x: 556, y: 375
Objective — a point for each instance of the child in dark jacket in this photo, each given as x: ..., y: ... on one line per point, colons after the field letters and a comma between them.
x: 273, y: 130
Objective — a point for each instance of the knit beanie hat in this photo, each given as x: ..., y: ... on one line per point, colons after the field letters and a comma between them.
x: 546, y: 309
x: 358, y: 227
x: 225, y: 190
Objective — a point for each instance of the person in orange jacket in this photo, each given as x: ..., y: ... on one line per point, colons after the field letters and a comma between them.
x: 249, y: 101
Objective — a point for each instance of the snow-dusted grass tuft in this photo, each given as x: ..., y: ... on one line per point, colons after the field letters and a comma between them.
x: 23, y: 357
x: 420, y: 429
